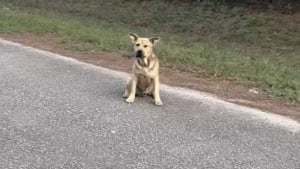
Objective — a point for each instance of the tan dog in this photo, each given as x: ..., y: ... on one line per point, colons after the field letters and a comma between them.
x: 145, y: 73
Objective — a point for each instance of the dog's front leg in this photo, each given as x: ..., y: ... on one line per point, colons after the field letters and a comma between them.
x: 157, y: 99
x: 131, y: 96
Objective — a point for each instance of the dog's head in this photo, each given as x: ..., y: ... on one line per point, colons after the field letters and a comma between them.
x: 143, y: 47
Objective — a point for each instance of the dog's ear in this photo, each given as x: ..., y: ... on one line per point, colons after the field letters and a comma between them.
x: 154, y: 40
x: 133, y: 36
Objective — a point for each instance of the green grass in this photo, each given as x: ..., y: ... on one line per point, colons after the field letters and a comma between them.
x: 70, y: 31
x: 194, y: 39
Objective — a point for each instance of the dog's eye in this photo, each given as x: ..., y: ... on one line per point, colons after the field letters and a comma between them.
x: 145, y: 46
x: 137, y: 45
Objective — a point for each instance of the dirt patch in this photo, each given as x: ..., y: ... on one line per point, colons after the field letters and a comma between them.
x: 226, y: 89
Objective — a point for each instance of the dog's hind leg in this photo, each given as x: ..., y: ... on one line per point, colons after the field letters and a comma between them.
x: 150, y: 89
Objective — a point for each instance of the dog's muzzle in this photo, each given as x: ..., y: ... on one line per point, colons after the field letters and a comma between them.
x: 139, y: 54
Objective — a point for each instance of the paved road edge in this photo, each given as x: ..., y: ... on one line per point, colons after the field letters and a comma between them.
x: 209, y: 99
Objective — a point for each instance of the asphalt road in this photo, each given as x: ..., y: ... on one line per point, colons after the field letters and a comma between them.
x: 57, y: 112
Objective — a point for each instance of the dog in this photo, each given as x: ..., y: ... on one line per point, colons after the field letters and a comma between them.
x: 145, y: 72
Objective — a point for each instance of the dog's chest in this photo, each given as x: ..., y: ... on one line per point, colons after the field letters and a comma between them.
x: 145, y: 71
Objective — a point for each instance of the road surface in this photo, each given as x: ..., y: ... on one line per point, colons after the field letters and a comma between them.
x: 56, y: 112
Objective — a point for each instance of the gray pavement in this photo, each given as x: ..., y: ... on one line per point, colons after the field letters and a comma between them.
x: 59, y: 113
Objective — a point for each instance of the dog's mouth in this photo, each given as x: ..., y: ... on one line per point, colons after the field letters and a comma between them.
x: 140, y: 58
x: 141, y: 62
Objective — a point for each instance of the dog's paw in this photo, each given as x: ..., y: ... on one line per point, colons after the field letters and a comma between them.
x: 151, y: 95
x: 130, y: 100
x: 158, y: 103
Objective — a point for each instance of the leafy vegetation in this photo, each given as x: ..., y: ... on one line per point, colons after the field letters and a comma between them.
x: 216, y: 41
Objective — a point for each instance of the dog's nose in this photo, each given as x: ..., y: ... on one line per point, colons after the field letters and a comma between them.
x: 139, y: 54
